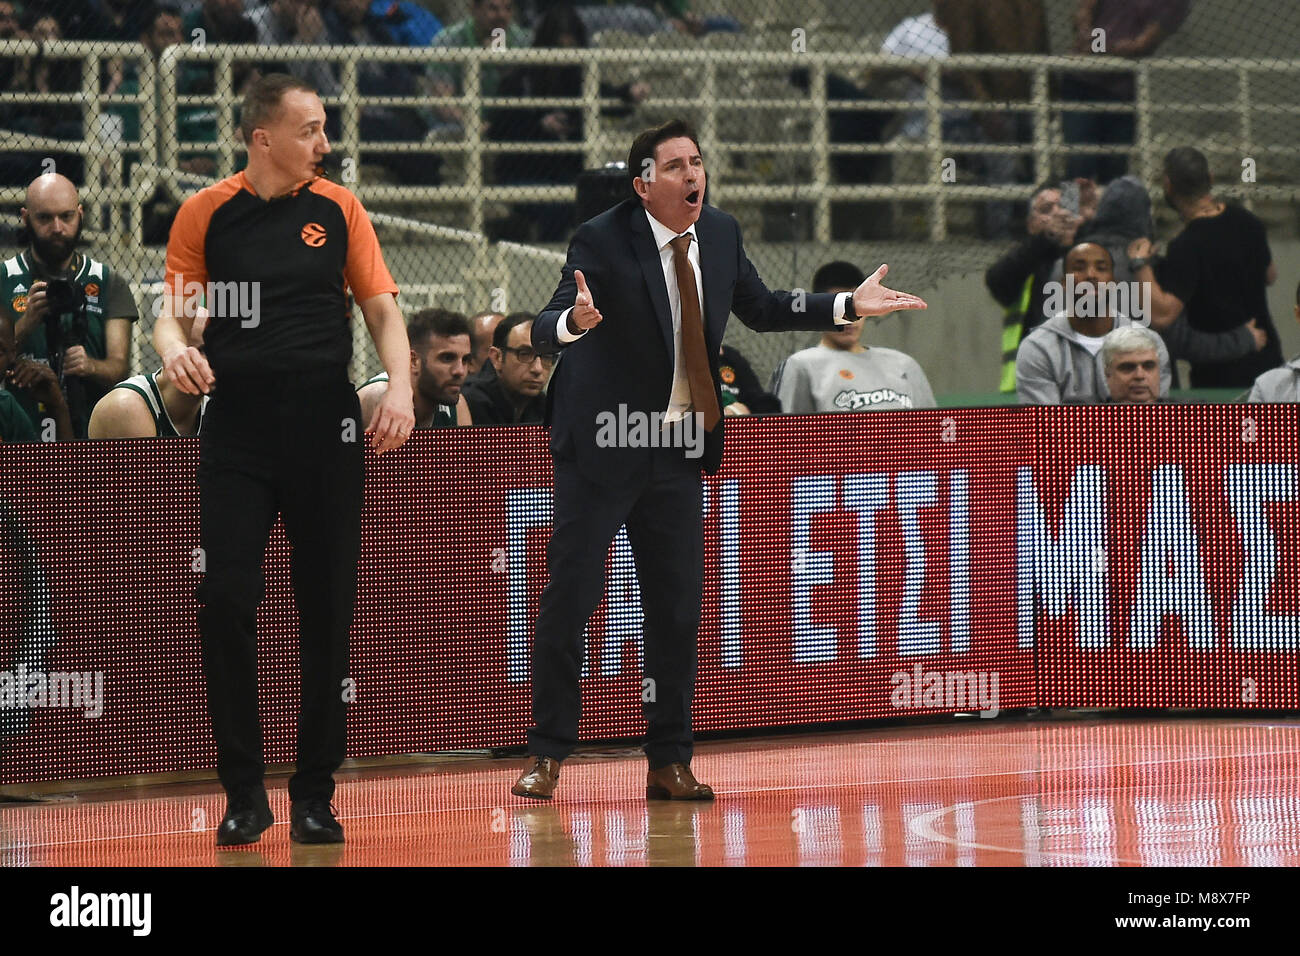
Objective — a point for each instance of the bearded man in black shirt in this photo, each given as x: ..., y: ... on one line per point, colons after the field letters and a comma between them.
x: 1218, y: 269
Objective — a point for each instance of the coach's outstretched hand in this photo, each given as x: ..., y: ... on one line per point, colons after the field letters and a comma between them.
x: 872, y: 298
x: 585, y: 315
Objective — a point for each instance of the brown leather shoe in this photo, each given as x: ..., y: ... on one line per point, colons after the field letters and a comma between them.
x: 675, y: 782
x: 539, y: 780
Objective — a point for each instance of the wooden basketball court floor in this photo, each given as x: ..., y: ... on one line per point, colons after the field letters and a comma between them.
x: 1073, y: 792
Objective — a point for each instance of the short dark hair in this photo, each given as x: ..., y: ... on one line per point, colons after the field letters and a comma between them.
x: 262, y: 101
x: 837, y: 275
x: 643, y: 147
x: 559, y: 20
x: 154, y: 11
x: 1089, y: 242
x: 427, y: 323
x: 501, y: 334
x: 1188, y: 172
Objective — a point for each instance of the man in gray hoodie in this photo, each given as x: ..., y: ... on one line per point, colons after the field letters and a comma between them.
x: 1060, y: 361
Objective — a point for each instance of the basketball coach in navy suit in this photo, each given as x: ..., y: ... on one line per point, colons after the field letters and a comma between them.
x: 668, y: 270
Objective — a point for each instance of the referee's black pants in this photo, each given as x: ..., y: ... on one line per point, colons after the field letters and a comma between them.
x: 289, y: 445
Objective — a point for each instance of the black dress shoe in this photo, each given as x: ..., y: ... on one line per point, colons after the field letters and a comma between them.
x: 247, y: 816
x: 312, y: 821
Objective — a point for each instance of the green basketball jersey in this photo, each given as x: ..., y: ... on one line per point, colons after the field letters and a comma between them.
x: 108, y: 296
x: 444, y: 416
x: 15, y: 426
x: 146, y: 386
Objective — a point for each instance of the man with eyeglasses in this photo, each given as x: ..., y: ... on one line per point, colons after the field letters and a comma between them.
x: 510, y: 388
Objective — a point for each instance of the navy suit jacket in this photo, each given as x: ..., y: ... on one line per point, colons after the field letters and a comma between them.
x: 628, y: 358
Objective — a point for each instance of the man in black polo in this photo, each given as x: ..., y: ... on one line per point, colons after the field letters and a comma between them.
x: 273, y: 251
x: 1218, y: 269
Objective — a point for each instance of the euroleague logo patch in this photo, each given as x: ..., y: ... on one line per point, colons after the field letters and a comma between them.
x: 20, y: 303
x: 313, y: 234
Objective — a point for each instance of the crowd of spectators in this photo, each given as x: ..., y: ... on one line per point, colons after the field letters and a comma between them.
x: 1201, y: 301
x: 1103, y: 323
x: 1133, y: 29
x: 281, y: 24
x: 1067, y: 285
x: 560, y: 27
x: 1060, y: 361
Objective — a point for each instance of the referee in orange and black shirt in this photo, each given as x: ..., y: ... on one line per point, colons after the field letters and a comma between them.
x: 280, y: 435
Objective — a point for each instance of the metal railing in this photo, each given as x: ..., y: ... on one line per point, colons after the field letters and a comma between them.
x: 806, y: 140
x: 101, y: 141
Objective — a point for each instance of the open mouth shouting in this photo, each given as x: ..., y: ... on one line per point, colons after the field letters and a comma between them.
x: 694, y: 198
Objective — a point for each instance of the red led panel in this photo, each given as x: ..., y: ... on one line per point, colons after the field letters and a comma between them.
x: 856, y: 566
x: 1164, y: 544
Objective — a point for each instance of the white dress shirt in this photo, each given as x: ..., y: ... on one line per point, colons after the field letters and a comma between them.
x: 679, y: 397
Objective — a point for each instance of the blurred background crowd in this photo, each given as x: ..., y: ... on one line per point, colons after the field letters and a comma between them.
x: 1097, y: 197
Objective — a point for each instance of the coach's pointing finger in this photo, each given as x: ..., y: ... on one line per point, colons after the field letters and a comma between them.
x: 585, y: 315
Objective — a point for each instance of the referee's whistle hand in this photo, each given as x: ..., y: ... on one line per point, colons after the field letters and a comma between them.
x: 189, y: 371
x: 391, y: 423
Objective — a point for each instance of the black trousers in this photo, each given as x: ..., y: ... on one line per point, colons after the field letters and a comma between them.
x: 290, y: 446
x: 662, y: 510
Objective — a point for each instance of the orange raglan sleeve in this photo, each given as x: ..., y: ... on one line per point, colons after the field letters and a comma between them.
x: 186, y: 260
x: 365, y: 272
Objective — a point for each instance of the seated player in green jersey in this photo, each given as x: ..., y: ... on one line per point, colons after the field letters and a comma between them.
x: 147, y: 406
x: 150, y: 405
x: 440, y: 350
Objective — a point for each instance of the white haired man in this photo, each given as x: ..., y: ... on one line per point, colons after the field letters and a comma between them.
x: 1130, y: 357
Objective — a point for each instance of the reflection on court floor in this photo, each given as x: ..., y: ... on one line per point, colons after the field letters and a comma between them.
x: 1063, y: 793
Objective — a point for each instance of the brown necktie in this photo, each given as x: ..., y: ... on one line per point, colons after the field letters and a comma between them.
x: 694, y: 351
